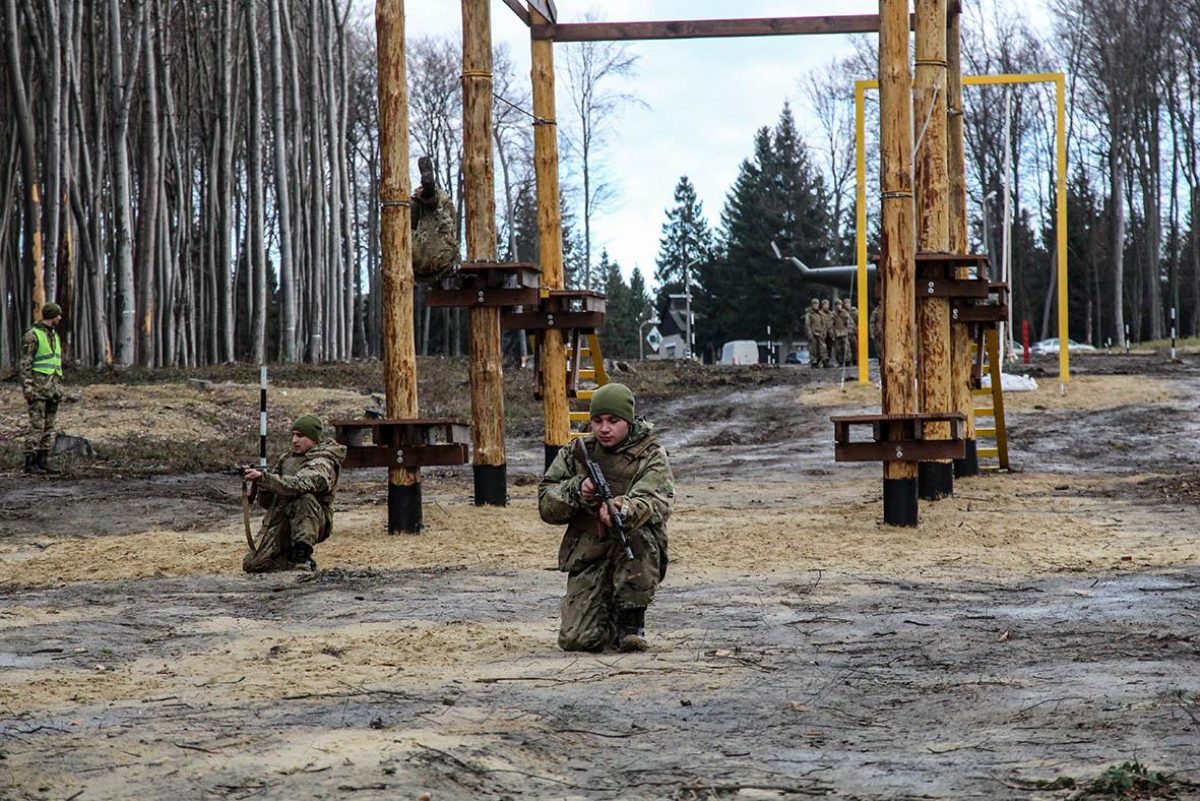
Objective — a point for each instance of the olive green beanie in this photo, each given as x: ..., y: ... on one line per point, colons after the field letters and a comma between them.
x: 308, y: 425
x: 51, y: 310
x: 614, y: 399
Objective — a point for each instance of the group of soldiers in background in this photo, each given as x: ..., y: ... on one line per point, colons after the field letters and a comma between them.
x: 831, y: 332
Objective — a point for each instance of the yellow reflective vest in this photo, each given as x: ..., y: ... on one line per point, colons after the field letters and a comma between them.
x: 48, y: 358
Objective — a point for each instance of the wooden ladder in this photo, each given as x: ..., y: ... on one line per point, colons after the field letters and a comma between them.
x: 583, y: 347
x: 990, y: 403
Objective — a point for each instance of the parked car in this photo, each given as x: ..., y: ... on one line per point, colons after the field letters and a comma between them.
x: 797, y: 357
x: 1050, y: 345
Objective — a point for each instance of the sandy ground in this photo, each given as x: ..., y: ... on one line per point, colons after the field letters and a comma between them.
x: 1040, y: 624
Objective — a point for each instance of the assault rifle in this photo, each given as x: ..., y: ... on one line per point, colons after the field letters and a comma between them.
x: 605, y: 494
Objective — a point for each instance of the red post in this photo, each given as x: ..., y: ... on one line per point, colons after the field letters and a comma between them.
x: 1025, y: 338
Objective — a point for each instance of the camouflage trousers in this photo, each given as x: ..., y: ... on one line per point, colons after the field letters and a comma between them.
x: 818, y: 351
x: 597, y: 592
x: 434, y: 238
x: 42, y: 413
x: 841, y: 348
x: 302, y: 519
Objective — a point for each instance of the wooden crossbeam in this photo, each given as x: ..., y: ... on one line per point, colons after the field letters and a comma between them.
x: 518, y: 8
x: 706, y: 28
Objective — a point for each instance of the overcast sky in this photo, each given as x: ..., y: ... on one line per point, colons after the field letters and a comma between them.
x: 704, y: 100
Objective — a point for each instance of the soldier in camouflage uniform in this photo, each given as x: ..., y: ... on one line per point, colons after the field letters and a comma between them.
x: 607, y: 594
x: 840, y: 332
x: 41, y: 379
x: 852, y: 327
x: 435, y: 235
x: 298, y: 495
x: 815, y: 329
x: 876, y: 326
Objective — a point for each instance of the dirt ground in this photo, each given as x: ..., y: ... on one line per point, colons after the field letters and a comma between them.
x: 1036, y: 629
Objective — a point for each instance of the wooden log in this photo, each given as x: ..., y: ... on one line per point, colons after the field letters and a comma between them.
x: 399, y: 349
x: 704, y: 28
x: 960, y: 331
x: 553, y: 359
x: 933, y: 229
x: 486, y: 370
x: 896, y: 267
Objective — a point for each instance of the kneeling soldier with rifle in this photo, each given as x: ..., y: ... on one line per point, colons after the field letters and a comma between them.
x: 614, y: 490
x: 298, y: 495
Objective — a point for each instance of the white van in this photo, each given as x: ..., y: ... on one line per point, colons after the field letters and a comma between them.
x: 739, y: 351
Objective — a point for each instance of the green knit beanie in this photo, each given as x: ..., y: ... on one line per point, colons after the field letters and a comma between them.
x: 308, y: 425
x: 614, y: 399
x: 51, y: 310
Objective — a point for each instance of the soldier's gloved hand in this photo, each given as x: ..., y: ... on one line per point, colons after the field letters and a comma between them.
x: 251, y: 474
x: 605, y: 517
x: 587, y: 491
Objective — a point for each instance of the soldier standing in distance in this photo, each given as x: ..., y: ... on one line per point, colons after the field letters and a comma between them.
x: 41, y: 380
x: 298, y: 495
x: 607, y: 593
x: 876, y: 326
x: 815, y: 330
x: 840, y: 331
x: 852, y: 327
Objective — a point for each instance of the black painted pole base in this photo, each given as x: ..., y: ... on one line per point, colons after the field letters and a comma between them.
x: 551, y: 453
x: 935, y: 480
x: 491, y: 485
x: 404, y: 508
x: 969, y: 464
x: 900, y: 501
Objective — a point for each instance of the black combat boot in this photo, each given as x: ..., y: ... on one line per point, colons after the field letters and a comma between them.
x: 631, y: 630
x: 41, y: 459
x: 31, y: 465
x: 301, y: 557
x: 428, y: 187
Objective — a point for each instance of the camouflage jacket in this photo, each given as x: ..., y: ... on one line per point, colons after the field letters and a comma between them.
x: 814, y: 323
x: 639, y: 474
x: 37, y: 386
x: 841, y: 322
x: 315, y: 472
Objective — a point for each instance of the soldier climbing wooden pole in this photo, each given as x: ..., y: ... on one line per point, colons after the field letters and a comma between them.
x: 487, y: 374
x: 399, y: 349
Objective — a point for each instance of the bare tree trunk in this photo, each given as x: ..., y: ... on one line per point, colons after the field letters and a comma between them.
x: 257, y: 250
x: 149, y: 199
x: 287, y: 281
x: 1117, y: 181
x: 32, y: 238
x: 122, y: 94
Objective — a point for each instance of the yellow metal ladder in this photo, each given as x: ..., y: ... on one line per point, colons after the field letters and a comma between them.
x: 990, y: 403
x: 584, y: 347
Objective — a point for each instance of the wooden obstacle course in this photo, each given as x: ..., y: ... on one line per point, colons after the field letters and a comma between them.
x: 489, y: 284
x: 418, y: 442
x: 897, y: 437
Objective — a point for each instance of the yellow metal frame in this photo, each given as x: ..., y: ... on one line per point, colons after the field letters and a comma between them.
x: 1059, y: 81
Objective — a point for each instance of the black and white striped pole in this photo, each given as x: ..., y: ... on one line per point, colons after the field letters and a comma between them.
x: 262, y: 418
x: 1172, y: 333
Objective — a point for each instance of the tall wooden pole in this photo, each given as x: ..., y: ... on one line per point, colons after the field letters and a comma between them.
x: 399, y: 350
x: 936, y: 479
x: 549, y: 216
x: 487, y: 373
x: 898, y: 251
x: 956, y: 164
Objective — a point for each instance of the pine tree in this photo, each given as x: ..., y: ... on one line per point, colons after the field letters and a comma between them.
x: 778, y: 196
x: 686, y: 239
